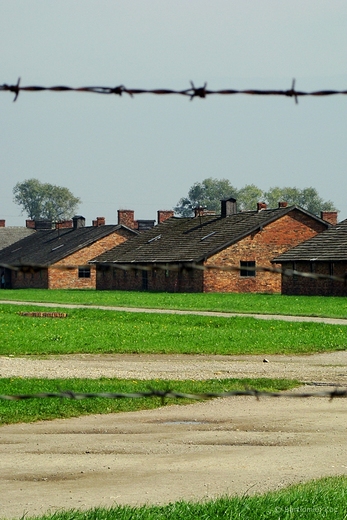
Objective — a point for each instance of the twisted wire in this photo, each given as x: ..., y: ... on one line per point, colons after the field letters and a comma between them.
x: 191, y: 92
x: 170, y: 394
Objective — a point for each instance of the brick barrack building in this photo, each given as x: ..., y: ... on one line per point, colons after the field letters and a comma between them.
x: 243, y: 240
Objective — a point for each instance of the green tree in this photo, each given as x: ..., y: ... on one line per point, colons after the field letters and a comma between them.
x: 45, y: 201
x: 207, y: 194
x: 306, y: 198
x: 248, y: 196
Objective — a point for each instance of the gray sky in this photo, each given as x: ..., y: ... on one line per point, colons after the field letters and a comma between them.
x: 145, y: 153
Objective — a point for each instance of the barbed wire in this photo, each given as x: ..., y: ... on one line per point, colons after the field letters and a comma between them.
x: 166, y: 394
x: 179, y: 267
x: 191, y: 92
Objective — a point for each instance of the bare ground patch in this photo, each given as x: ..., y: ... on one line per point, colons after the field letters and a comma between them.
x: 225, y: 446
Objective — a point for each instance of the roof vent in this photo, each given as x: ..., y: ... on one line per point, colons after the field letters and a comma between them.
x: 143, y: 225
x: 78, y: 221
x: 43, y: 224
x: 228, y: 207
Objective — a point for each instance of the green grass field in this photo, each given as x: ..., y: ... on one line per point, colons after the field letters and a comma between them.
x: 97, y: 331
x: 324, y: 499
x: 224, y: 302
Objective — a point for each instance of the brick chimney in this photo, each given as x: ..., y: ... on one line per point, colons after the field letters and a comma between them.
x: 163, y: 215
x: 261, y: 206
x: 282, y: 204
x: 100, y: 221
x: 126, y: 218
x: 2, y: 223
x: 30, y: 224
x: 329, y: 216
x: 64, y: 224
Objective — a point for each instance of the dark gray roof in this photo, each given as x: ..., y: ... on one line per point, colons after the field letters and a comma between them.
x: 331, y: 245
x: 46, y: 247
x: 194, y: 239
x: 9, y: 235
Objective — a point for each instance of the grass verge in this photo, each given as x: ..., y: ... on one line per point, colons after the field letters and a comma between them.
x: 335, y: 307
x: 96, y: 331
x: 30, y: 410
x: 324, y: 499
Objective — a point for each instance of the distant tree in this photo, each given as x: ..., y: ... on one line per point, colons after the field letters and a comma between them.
x: 248, y: 196
x: 45, y: 201
x: 306, y: 198
x: 207, y: 194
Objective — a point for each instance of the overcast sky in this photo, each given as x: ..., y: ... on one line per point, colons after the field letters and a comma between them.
x: 145, y: 153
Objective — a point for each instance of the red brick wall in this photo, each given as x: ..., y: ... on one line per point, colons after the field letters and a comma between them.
x: 299, y: 285
x: 261, y: 247
x: 68, y: 278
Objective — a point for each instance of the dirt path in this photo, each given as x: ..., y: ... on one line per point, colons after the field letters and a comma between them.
x: 200, y: 451
x: 328, y: 367
x: 333, y: 321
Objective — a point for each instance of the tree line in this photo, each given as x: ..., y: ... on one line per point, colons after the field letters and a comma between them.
x: 210, y: 192
x: 44, y: 201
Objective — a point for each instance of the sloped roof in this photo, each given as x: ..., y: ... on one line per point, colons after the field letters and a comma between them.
x: 46, y: 247
x: 330, y: 245
x: 11, y: 234
x: 194, y: 239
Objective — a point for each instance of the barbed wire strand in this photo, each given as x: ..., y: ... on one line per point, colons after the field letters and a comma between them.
x: 191, y: 92
x: 179, y: 267
x: 165, y: 394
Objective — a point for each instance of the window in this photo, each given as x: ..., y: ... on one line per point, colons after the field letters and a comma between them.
x: 247, y: 268
x: 84, y: 272
x: 145, y: 280
x: 331, y: 269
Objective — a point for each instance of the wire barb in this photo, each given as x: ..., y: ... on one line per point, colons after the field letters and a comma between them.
x: 198, y: 92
